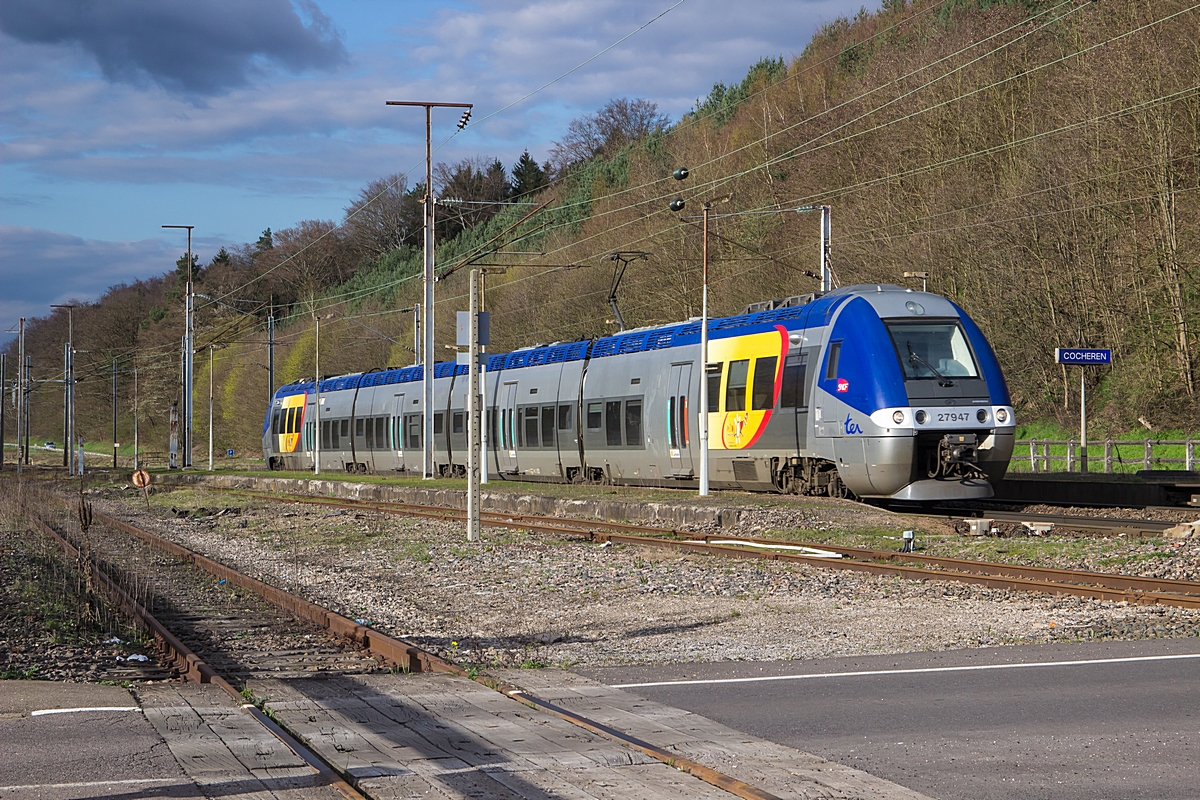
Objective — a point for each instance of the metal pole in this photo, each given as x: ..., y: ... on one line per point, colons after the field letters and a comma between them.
x: 270, y: 358
x: 136, y: 460
x: 427, y: 354
x: 66, y: 404
x: 417, y: 334
x: 1083, y: 465
x: 114, y: 404
x: 28, y: 404
x: 317, y: 407
x: 20, y: 389
x: 3, y: 402
x: 483, y: 427
x: 473, y: 450
x: 210, y: 408
x: 826, y: 275
x: 703, y: 415
x: 189, y: 345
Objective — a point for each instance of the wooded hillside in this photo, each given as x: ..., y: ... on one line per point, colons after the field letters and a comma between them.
x: 1040, y: 160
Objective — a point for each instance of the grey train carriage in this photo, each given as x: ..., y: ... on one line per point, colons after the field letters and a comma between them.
x: 868, y: 391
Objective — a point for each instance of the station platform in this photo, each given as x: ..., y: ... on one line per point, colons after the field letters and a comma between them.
x: 1148, y: 488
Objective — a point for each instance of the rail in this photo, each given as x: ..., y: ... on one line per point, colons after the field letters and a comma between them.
x: 1114, y: 455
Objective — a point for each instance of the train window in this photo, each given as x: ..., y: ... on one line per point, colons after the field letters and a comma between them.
x: 548, y: 426
x: 275, y: 421
x: 633, y: 423
x: 932, y: 350
x: 595, y: 416
x: 381, y: 433
x: 325, y: 442
x: 683, y: 420
x: 735, y: 386
x: 458, y: 422
x: 831, y: 366
x: 612, y: 422
x: 763, y: 398
x: 438, y: 422
x: 334, y: 439
x: 564, y: 417
x: 491, y: 424
x: 792, y: 394
x: 370, y: 434
x: 671, y: 423
x: 288, y: 415
x: 531, y: 426
x: 346, y: 428
x: 414, y: 431
x: 358, y: 427
x: 714, y: 387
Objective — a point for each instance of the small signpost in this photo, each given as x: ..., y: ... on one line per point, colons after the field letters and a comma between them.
x: 141, y: 479
x: 1082, y: 357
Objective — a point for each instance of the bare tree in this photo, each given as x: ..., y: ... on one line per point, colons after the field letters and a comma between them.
x: 617, y: 123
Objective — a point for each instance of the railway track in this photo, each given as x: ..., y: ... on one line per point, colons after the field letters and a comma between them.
x: 212, y: 619
x: 1097, y: 585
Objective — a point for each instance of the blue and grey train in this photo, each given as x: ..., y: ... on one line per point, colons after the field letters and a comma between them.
x: 868, y: 391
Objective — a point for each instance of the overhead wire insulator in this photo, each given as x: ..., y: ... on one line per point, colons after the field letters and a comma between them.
x: 462, y: 123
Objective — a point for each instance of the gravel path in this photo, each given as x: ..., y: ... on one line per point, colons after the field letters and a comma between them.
x: 520, y: 599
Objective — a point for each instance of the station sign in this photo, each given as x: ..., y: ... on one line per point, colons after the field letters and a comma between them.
x: 1082, y: 356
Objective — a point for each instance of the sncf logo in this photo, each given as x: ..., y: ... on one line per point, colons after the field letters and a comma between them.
x: 843, y: 385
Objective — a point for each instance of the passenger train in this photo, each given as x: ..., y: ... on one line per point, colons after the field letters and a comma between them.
x: 867, y: 391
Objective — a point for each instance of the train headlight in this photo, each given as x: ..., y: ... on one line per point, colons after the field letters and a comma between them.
x: 920, y: 417
x: 981, y: 415
x: 1001, y: 416
x: 897, y: 417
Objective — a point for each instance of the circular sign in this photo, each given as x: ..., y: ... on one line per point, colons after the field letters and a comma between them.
x: 141, y: 479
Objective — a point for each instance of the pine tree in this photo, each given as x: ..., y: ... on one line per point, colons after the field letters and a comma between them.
x: 527, y: 176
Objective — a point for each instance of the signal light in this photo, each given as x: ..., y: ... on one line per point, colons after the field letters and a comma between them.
x: 677, y: 204
x: 462, y: 123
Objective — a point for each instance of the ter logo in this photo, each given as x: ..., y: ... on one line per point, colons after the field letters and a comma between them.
x: 843, y: 385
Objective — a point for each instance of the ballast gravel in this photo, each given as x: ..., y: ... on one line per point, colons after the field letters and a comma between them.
x: 521, y: 599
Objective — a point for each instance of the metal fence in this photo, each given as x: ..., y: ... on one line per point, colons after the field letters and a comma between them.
x: 1113, y: 455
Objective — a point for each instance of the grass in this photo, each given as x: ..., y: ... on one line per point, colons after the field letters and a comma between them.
x: 1128, y: 449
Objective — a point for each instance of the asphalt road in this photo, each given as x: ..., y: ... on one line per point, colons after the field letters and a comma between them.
x: 978, y: 724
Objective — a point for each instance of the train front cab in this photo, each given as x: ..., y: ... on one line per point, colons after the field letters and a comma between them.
x: 909, y: 400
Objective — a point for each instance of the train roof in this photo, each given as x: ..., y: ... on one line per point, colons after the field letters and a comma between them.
x: 819, y: 312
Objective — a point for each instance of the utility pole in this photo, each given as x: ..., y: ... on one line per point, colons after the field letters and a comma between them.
x: 20, y: 388
x: 473, y: 417
x: 28, y: 398
x: 3, y: 403
x: 826, y: 234
x: 428, y: 349
x: 317, y: 384
x: 416, y: 334
x: 68, y: 386
x: 210, y: 408
x: 114, y: 439
x: 188, y: 348
x: 136, y: 460
x: 271, y: 357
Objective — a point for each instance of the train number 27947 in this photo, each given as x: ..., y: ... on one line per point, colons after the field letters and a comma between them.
x: 953, y: 416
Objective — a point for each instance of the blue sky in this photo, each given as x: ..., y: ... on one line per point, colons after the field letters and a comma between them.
x: 119, y: 116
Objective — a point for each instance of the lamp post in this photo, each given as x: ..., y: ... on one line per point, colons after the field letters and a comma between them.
x: 189, y: 335
x: 427, y: 349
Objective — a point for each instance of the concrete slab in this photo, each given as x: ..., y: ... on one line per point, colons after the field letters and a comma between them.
x: 224, y: 750
x: 412, y: 735
x: 782, y: 771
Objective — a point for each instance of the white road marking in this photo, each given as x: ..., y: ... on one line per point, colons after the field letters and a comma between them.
x: 918, y: 671
x: 45, y: 711
x: 92, y: 784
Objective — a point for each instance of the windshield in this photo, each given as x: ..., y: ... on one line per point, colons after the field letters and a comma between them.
x: 932, y: 350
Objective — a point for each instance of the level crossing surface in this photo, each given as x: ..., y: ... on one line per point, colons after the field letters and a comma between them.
x: 1058, y: 722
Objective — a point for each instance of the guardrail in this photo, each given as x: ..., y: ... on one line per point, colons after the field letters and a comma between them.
x: 1115, y: 455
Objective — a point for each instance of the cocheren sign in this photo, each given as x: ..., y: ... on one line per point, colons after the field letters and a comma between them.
x: 1082, y: 356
